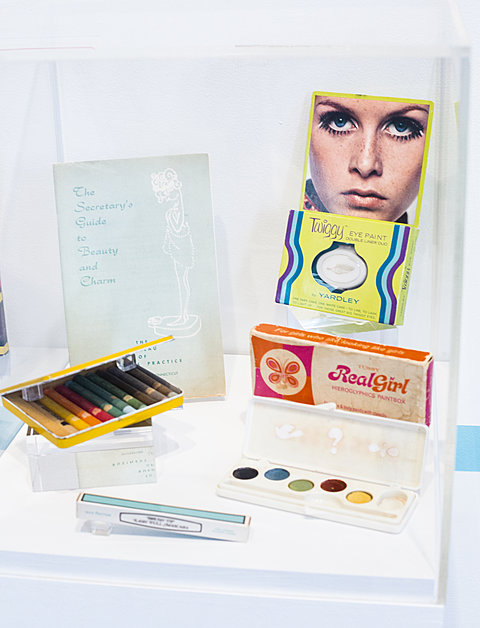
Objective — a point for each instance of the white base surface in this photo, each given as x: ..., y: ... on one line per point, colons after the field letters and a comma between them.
x: 308, y: 563
x: 124, y: 606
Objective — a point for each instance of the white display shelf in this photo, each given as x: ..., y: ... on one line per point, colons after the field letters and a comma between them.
x: 287, y: 554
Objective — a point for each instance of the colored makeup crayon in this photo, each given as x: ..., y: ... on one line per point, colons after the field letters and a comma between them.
x: 147, y: 379
x: 159, y: 379
x: 69, y: 405
x: 133, y: 381
x: 90, y: 396
x: 84, y: 403
x: 51, y: 422
x: 63, y: 413
x: 101, y: 381
x: 44, y: 418
x: 103, y: 394
x: 138, y: 394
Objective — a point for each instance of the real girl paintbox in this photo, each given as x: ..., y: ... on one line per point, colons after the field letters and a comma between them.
x: 358, y: 376
x: 91, y: 399
x: 330, y: 464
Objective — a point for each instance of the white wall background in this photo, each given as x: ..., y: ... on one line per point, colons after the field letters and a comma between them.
x: 246, y: 105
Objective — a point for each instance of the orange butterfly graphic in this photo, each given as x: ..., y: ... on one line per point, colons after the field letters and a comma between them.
x: 283, y: 375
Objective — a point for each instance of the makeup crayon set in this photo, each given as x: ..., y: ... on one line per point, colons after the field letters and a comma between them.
x: 331, y: 464
x: 92, y: 399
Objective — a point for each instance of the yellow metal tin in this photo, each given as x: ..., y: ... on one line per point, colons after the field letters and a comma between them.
x: 13, y: 401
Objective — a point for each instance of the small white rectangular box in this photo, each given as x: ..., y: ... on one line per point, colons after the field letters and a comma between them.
x: 104, y: 512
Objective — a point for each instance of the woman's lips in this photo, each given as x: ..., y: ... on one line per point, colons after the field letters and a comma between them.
x: 364, y: 199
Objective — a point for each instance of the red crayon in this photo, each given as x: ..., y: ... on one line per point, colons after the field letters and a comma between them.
x: 84, y: 403
x: 73, y: 407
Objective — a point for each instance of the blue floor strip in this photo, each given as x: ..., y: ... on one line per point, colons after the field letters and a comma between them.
x: 9, y: 427
x: 468, y: 448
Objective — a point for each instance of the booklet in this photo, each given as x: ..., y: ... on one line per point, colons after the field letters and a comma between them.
x: 138, y: 262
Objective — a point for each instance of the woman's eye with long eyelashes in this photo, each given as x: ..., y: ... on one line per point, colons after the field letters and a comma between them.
x: 404, y: 128
x: 336, y: 123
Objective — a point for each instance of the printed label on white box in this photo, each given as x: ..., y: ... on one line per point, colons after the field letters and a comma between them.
x: 133, y: 465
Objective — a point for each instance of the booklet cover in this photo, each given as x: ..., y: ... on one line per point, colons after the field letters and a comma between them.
x: 138, y: 262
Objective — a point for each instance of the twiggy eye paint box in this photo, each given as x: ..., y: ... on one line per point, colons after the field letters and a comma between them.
x: 336, y: 465
x: 356, y: 267
x: 60, y: 409
x: 105, y: 512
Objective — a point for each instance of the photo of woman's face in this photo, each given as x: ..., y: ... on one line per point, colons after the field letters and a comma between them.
x: 366, y: 155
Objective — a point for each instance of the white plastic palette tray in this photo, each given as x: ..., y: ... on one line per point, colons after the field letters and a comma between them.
x: 318, y: 461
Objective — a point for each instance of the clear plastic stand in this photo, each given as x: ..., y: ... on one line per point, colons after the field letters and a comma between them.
x: 127, y: 362
x: 33, y: 393
x: 325, y: 323
x: 99, y: 528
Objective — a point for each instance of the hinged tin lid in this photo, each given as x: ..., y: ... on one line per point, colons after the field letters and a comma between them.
x: 371, y: 448
x: 121, y: 357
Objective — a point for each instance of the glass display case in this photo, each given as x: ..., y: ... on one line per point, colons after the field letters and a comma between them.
x: 117, y: 82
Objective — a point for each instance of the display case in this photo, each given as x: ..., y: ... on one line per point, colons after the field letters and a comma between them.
x: 117, y: 82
